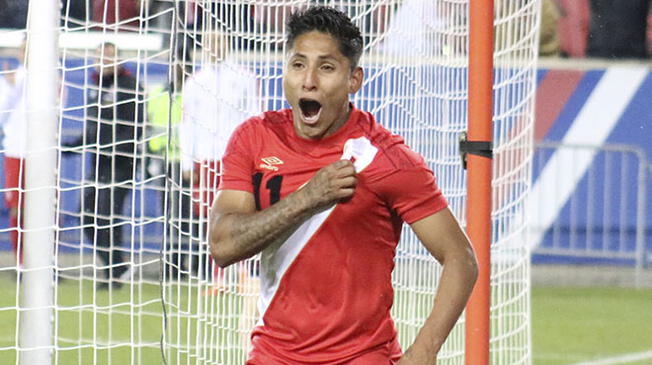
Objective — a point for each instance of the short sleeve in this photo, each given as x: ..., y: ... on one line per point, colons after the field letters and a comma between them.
x: 237, y: 162
x: 413, y: 193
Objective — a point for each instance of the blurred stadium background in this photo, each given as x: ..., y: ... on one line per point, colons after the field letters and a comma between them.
x: 590, y: 207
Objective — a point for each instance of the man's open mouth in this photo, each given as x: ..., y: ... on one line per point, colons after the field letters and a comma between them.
x: 310, y: 110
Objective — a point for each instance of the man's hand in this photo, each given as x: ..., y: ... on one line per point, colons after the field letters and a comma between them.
x: 331, y: 184
x: 415, y: 356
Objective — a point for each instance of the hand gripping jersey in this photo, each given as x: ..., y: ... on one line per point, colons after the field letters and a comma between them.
x: 326, y: 291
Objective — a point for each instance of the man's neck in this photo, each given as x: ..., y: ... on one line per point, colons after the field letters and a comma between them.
x: 344, y: 117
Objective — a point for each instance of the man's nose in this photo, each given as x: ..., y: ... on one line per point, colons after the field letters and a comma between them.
x: 309, y: 80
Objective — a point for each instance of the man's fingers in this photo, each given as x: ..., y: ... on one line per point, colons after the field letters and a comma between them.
x: 342, y: 163
x: 348, y: 182
x: 344, y: 168
x: 345, y: 193
x: 346, y: 171
x: 334, y: 182
x: 338, y: 169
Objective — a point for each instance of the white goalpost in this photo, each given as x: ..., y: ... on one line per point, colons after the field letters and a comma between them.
x: 112, y: 221
x: 37, y: 286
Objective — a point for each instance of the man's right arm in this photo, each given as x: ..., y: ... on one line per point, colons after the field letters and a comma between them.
x: 237, y: 231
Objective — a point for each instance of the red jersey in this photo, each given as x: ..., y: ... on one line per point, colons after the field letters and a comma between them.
x: 326, y: 292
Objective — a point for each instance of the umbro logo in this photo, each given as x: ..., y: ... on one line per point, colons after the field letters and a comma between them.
x: 270, y: 163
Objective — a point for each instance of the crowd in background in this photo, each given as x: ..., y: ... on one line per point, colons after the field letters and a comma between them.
x: 570, y: 28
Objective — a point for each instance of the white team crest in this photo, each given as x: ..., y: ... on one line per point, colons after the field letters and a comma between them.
x: 360, y: 151
x: 270, y: 163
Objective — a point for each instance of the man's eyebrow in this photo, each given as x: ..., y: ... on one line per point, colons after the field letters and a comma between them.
x: 322, y: 57
x: 328, y: 57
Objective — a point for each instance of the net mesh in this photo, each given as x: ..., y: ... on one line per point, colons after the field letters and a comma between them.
x: 141, y: 133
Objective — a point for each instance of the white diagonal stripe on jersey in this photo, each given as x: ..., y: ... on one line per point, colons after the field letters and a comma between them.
x: 277, y: 258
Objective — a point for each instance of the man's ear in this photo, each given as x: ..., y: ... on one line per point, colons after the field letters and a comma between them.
x: 355, y: 81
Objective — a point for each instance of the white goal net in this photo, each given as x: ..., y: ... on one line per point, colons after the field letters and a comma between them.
x: 147, y: 93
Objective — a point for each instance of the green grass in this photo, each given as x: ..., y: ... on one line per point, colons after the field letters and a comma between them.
x: 127, y: 324
x: 569, y: 325
x: 97, y: 317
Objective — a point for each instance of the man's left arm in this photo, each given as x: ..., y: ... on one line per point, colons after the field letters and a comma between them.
x: 441, y: 234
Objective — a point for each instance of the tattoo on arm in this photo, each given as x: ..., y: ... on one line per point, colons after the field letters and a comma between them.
x: 250, y: 233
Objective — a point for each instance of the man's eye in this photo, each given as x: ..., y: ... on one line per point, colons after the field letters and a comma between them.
x: 327, y: 68
x: 297, y: 65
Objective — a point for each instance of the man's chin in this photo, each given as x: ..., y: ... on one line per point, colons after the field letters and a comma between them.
x: 311, y: 131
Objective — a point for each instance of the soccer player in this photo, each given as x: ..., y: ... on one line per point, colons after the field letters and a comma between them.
x: 321, y: 191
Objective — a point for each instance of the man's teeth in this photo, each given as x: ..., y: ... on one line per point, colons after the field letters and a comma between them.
x: 313, y: 118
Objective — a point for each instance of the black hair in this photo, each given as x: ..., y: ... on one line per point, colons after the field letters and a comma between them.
x: 330, y: 21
